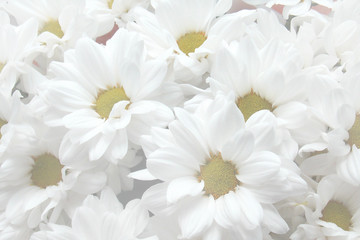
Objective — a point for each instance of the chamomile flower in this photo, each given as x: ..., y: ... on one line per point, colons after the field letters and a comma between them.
x: 220, y: 177
x: 339, y: 152
x: 13, y: 116
x: 101, y: 218
x: 186, y: 36
x: 273, y: 80
x: 335, y: 215
x: 106, y: 97
x: 61, y: 23
x: 36, y: 186
x: 107, y: 12
x: 340, y: 38
x: 18, y: 49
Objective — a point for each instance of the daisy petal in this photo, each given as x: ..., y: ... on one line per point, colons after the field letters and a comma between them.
x: 196, y: 216
x: 259, y: 168
x: 240, y: 147
x: 181, y: 187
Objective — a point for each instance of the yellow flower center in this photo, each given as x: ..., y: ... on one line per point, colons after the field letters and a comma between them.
x: 337, y: 213
x: 46, y: 171
x: 190, y: 41
x: 54, y: 27
x: 2, y: 123
x: 106, y: 100
x: 251, y: 103
x: 354, y: 133
x: 2, y: 65
x: 110, y: 3
x: 219, y: 176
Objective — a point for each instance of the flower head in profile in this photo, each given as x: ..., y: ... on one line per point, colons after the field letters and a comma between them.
x: 101, y: 218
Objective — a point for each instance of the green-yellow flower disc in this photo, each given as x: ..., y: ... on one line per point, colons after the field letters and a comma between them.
x: 54, y: 27
x: 110, y: 3
x: 219, y: 176
x: 106, y: 100
x: 2, y: 65
x: 354, y: 133
x: 46, y: 171
x: 251, y: 103
x: 191, y: 41
x: 337, y: 213
x: 2, y: 123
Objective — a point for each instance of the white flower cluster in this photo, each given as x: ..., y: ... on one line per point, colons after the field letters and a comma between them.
x: 208, y: 122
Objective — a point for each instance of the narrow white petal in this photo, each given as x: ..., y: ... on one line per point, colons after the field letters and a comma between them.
x: 182, y: 187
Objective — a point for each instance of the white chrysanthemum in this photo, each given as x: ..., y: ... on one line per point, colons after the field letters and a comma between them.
x: 292, y: 7
x: 335, y: 214
x: 107, y: 12
x: 17, y: 47
x: 13, y: 126
x: 61, y: 22
x: 101, y: 219
x: 220, y: 176
x: 339, y: 151
x: 269, y: 78
x: 105, y: 96
x: 36, y: 186
x: 185, y: 35
x: 342, y: 36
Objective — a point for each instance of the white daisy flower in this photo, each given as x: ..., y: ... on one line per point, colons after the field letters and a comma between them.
x: 36, y: 186
x: 220, y: 176
x: 18, y: 49
x: 339, y: 151
x: 273, y: 80
x: 107, y: 12
x: 106, y: 96
x: 335, y: 214
x: 186, y: 36
x: 101, y: 218
x: 61, y: 23
x: 13, y: 117
x: 341, y: 37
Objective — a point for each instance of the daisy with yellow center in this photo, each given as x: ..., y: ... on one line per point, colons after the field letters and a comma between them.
x: 40, y: 181
x: 188, y: 36
x: 60, y: 23
x: 262, y: 80
x: 339, y: 108
x: 109, y: 107
x: 335, y: 213
x: 213, y: 172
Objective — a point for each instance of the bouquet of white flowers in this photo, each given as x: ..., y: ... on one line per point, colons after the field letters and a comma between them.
x: 206, y: 119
